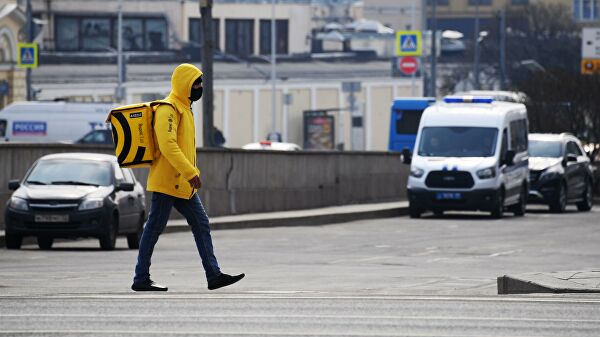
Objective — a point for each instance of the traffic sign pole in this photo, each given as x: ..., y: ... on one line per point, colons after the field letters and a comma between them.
x: 29, y: 40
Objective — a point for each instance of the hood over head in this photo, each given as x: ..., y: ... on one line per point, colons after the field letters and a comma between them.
x: 181, y: 82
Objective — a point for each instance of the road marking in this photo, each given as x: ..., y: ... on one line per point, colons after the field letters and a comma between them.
x: 242, y: 296
x: 222, y: 333
x: 404, y: 318
x: 505, y: 253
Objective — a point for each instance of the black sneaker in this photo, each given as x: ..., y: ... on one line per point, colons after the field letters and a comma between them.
x: 224, y: 280
x: 148, y: 286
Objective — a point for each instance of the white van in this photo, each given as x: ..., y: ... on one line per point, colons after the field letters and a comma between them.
x: 470, y: 154
x: 51, y: 121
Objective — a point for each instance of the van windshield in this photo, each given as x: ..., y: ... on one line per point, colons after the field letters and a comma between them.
x: 450, y: 141
x: 2, y: 128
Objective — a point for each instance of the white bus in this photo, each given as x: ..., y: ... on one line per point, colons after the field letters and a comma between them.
x: 51, y: 121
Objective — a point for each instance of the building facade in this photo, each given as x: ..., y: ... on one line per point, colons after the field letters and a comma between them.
x: 459, y: 14
x: 12, y: 79
x: 241, y: 27
x: 396, y: 14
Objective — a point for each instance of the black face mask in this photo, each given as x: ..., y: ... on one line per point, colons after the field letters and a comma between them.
x: 196, y: 94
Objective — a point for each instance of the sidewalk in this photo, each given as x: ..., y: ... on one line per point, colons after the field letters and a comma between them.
x: 554, y: 282
x: 307, y: 217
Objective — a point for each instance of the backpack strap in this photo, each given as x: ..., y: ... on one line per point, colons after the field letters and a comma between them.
x: 155, y: 104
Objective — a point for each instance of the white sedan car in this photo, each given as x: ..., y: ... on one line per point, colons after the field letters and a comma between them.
x: 274, y: 146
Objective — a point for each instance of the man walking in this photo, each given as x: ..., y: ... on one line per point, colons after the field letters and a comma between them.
x: 175, y: 180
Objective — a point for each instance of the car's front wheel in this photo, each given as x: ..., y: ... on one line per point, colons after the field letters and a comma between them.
x: 498, y: 208
x: 559, y: 203
x: 108, y: 240
x: 588, y: 198
x: 519, y: 208
x: 133, y: 239
x: 414, y: 211
x: 13, y: 241
x: 45, y: 242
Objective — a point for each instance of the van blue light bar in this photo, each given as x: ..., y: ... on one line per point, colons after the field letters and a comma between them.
x: 468, y: 99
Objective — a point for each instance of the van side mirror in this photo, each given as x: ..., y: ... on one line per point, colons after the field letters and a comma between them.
x: 509, y: 158
x: 13, y: 185
x: 127, y: 187
x: 406, y: 156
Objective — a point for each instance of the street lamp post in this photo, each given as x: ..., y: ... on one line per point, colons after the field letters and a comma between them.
x: 273, y: 69
x: 476, y: 40
x: 120, y: 92
x: 29, y: 36
x: 207, y: 69
x: 433, y: 48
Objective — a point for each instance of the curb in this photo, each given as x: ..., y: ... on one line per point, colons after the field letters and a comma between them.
x: 295, y: 221
x: 282, y: 221
x: 513, y: 285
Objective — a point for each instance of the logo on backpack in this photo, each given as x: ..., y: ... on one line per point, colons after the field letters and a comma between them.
x: 135, y: 115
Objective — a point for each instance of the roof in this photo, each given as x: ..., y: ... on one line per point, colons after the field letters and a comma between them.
x: 81, y: 156
x: 152, y: 73
x: 471, y: 114
x: 552, y: 136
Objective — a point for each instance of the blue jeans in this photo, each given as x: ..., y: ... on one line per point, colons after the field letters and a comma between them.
x: 196, y: 217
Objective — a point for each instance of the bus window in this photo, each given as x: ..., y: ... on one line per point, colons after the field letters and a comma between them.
x: 2, y: 128
x: 405, y: 116
x: 407, y: 121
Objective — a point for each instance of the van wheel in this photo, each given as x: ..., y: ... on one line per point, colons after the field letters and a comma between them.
x: 45, y: 242
x: 133, y: 239
x: 414, y: 212
x: 559, y: 203
x: 588, y: 198
x: 108, y: 240
x: 519, y: 208
x: 498, y: 210
x: 13, y: 241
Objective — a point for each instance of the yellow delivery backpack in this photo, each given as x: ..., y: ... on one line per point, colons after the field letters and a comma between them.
x: 133, y: 133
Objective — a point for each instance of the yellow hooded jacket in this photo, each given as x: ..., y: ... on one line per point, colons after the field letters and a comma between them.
x: 175, y: 136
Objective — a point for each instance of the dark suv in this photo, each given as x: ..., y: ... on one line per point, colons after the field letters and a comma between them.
x: 560, y: 172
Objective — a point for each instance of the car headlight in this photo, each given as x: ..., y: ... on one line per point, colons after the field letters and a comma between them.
x: 91, y: 203
x: 487, y: 173
x: 551, y: 173
x: 416, y: 172
x: 18, y: 203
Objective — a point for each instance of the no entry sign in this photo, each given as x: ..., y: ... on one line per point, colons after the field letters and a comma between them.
x: 408, y: 65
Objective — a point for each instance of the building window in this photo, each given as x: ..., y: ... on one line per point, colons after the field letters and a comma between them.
x: 438, y: 2
x: 95, y: 35
x: 196, y: 34
x: 101, y: 33
x: 67, y: 34
x: 585, y: 10
x: 133, y: 34
x: 282, y: 37
x: 156, y: 34
x: 480, y: 2
x: 239, y: 37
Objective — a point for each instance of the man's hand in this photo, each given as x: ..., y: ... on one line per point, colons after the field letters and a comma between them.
x: 196, y: 182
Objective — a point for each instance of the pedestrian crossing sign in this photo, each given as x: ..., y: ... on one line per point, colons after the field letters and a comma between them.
x: 27, y: 56
x: 408, y: 43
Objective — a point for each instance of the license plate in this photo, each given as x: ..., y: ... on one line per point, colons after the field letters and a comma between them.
x: 448, y: 196
x: 51, y: 218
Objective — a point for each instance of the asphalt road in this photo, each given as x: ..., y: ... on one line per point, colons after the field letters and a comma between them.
x: 393, y: 277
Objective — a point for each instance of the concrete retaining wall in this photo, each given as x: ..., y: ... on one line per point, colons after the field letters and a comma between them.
x: 237, y: 181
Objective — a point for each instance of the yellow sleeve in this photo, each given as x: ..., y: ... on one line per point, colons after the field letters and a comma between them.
x: 166, y: 120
